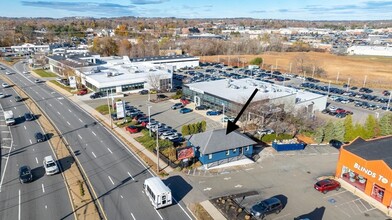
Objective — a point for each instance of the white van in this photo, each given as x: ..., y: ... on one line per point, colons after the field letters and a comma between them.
x: 158, y: 193
x: 50, y: 166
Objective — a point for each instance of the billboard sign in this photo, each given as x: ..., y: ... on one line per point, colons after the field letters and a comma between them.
x: 120, y: 109
x: 72, y: 81
x: 184, y: 153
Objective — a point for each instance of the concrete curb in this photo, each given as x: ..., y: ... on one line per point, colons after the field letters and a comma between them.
x: 214, y: 212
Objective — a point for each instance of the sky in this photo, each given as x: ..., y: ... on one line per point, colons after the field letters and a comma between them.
x: 264, y: 9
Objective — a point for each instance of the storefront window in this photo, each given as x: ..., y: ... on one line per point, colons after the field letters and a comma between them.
x: 378, y: 192
x: 353, y: 178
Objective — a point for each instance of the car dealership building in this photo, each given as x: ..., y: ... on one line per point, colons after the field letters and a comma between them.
x: 232, y: 95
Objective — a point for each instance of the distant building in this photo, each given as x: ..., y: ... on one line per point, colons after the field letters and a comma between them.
x: 170, y: 52
x: 214, y: 147
x: 30, y: 48
x: 370, y: 50
x: 176, y: 61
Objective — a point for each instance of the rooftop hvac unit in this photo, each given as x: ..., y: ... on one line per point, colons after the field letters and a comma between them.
x: 109, y: 74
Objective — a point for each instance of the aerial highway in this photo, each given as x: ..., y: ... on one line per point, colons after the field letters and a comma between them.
x: 46, y: 197
x: 115, y: 173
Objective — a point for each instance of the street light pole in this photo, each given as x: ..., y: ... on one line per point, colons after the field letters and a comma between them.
x: 348, y: 84
x: 149, y: 119
x: 149, y: 95
x: 337, y: 77
x: 364, y: 81
x: 329, y: 86
x: 223, y: 123
x: 389, y: 100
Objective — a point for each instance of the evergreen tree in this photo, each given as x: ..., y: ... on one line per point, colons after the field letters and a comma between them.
x: 359, y: 131
x: 192, y: 129
x: 339, y: 131
x: 185, y: 130
x: 386, y: 124
x: 319, y: 135
x: 348, y: 128
x: 203, y: 126
x: 370, y: 127
x: 329, y: 132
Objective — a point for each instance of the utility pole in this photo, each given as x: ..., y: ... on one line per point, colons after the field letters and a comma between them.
x: 109, y: 107
x: 348, y: 84
x: 337, y: 77
x: 329, y: 86
x: 364, y: 82
x: 149, y: 119
x: 290, y: 67
x: 314, y: 70
x: 157, y: 149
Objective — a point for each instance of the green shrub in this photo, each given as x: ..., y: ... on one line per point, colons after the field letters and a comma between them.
x: 203, y: 126
x: 185, y: 130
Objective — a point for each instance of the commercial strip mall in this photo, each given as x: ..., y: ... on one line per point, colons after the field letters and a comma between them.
x: 366, y: 165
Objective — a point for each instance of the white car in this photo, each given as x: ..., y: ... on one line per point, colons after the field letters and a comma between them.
x: 5, y: 85
x: 265, y: 131
x: 2, y: 95
x: 8, y: 73
x: 345, y: 101
x: 332, y: 108
x: 25, y: 72
x: 227, y: 118
x: 37, y: 81
x: 50, y: 166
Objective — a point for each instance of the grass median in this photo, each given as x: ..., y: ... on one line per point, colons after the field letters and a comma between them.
x: 43, y: 73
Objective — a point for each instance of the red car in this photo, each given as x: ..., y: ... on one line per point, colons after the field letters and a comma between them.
x: 327, y: 185
x: 132, y: 129
x: 185, y: 101
x: 340, y: 110
x: 82, y: 92
x: 144, y: 124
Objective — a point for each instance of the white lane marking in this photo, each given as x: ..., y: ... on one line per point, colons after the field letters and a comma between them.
x: 93, y: 154
x: 50, y: 105
x: 111, y: 180
x: 25, y: 127
x: 68, y: 123
x: 10, y: 100
x: 43, y: 98
x: 110, y: 151
x: 58, y: 113
x: 121, y: 196
x: 19, y: 206
x: 43, y: 188
x: 33, y: 149
x: 133, y: 216
x: 207, y: 189
x: 80, y: 136
x: 131, y: 176
x: 94, y: 133
x: 20, y: 116
x: 80, y: 120
x: 186, y: 213
x: 36, y: 160
x: 46, y: 207
x: 61, y: 103
x: 31, y: 142
x: 160, y: 216
x: 69, y: 110
x: 14, y: 107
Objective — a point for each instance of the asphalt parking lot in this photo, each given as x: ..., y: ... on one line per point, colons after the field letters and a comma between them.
x: 291, y: 176
x: 162, y: 111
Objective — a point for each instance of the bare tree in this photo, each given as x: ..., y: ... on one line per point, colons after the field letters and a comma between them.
x: 154, y: 80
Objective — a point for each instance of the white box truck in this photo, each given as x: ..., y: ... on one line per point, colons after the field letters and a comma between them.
x: 9, y: 117
x: 158, y: 193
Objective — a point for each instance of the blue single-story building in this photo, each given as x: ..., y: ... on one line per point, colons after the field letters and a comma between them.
x: 214, y: 147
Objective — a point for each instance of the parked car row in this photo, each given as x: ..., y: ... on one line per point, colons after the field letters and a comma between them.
x: 337, y: 112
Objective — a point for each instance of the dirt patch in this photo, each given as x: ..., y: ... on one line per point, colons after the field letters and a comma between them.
x: 306, y: 139
x: 377, y: 69
x: 83, y: 206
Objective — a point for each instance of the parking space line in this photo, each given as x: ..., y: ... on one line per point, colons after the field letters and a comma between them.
x: 110, y: 151
x: 31, y: 142
x: 80, y: 136
x: 36, y: 160
x: 93, y: 133
x: 93, y: 154
x: 111, y: 180
x: 68, y: 123
x: 43, y: 188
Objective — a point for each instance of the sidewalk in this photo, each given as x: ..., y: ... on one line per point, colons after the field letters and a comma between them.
x: 210, y: 208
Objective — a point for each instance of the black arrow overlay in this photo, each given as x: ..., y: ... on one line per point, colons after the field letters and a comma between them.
x: 231, y: 126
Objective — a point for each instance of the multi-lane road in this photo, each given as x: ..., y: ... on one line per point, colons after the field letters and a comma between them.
x: 115, y: 173
x: 44, y: 198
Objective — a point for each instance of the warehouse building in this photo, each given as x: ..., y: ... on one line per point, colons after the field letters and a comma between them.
x: 177, y: 61
x: 366, y: 167
x: 232, y: 95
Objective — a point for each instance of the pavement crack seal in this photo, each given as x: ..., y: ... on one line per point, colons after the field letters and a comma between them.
x: 83, y: 206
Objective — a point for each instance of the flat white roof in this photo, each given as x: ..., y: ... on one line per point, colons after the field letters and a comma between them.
x: 240, y: 90
x: 123, y: 72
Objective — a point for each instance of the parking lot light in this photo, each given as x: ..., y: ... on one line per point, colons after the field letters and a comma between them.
x: 223, y: 115
x: 149, y: 119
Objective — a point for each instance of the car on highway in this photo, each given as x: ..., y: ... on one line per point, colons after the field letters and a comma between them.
x: 177, y: 106
x: 37, y: 81
x: 266, y: 207
x: 185, y: 110
x: 28, y: 116
x: 212, y: 112
x: 5, y: 85
x: 18, y: 99
x: 39, y: 137
x: 25, y: 72
x: 326, y: 185
x: 8, y: 72
x: 25, y: 175
x: 132, y: 129
x: 50, y: 166
x: 201, y: 107
x: 2, y: 95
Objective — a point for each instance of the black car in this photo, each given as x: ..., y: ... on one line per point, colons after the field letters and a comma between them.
x: 39, y: 137
x: 265, y: 207
x: 96, y: 95
x: 201, y: 107
x: 18, y: 99
x: 143, y: 92
x: 28, y: 116
x: 25, y: 174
